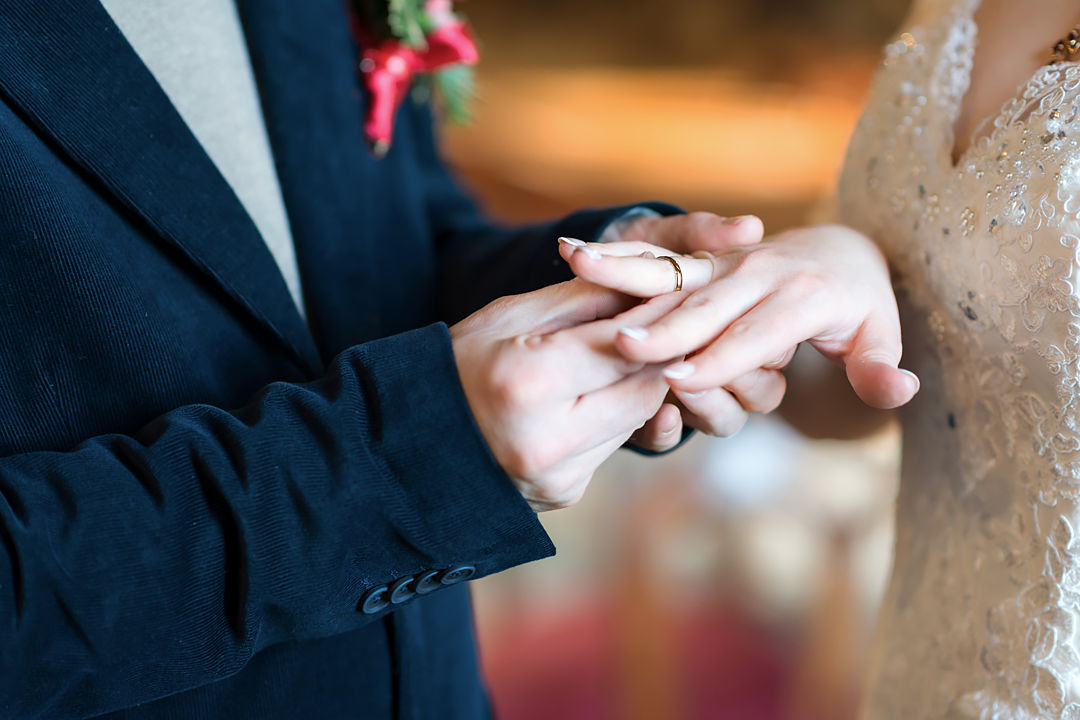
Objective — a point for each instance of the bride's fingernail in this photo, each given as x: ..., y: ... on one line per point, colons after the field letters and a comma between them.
x: 914, y: 378
x: 679, y: 371
x: 635, y: 333
x: 571, y: 241
x: 590, y: 253
x: 695, y: 395
x: 737, y: 221
x: 647, y: 255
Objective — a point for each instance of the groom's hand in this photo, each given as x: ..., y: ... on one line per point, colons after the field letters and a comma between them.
x: 550, y: 393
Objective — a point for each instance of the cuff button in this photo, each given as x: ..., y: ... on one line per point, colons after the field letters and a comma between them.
x: 375, y: 600
x: 458, y: 574
x: 401, y: 590
x: 428, y: 582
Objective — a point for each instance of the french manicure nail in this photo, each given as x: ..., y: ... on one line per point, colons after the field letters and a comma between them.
x: 679, y: 371
x: 635, y: 333
x: 695, y: 395
x: 913, y: 376
x: 590, y: 253
x: 737, y: 221
x: 571, y: 241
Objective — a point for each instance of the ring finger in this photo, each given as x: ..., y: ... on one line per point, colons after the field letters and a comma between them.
x: 643, y: 275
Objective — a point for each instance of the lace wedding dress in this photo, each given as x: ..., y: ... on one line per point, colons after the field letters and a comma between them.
x: 982, y: 615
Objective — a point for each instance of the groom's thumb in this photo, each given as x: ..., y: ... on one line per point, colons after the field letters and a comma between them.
x: 700, y: 231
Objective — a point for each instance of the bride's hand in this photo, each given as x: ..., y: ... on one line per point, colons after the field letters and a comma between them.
x: 747, y: 307
x: 716, y: 413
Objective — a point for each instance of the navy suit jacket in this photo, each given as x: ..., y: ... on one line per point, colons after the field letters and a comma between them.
x: 207, y: 505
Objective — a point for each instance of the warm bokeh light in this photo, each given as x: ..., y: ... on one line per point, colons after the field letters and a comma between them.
x: 709, y: 138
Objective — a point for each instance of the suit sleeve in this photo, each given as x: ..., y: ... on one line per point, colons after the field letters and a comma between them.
x: 162, y: 561
x: 481, y: 260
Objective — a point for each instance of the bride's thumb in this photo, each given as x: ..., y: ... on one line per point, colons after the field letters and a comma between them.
x: 872, y: 365
x: 879, y: 383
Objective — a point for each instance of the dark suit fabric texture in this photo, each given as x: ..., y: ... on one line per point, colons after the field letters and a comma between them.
x: 197, y: 488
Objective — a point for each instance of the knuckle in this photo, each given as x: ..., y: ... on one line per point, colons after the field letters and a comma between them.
x: 570, y: 497
x: 807, y: 284
x: 705, y: 222
x: 501, y: 307
x: 562, y: 493
x: 625, y: 366
x: 761, y: 391
x: 517, y: 384
x: 660, y: 443
x: 702, y: 301
x: 753, y: 260
x: 504, y: 387
x: 767, y: 403
x: 516, y: 464
x: 738, y: 328
x: 644, y: 410
x: 783, y: 361
x: 527, y: 460
x: 531, y: 387
x: 761, y: 403
x: 727, y: 424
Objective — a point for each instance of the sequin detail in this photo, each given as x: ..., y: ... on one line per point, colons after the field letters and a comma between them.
x: 982, y: 616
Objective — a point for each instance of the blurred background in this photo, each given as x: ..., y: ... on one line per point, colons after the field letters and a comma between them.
x: 735, y: 578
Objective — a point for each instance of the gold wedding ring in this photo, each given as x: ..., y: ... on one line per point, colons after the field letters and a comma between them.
x: 678, y: 270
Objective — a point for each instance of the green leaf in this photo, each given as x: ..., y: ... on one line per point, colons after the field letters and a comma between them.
x: 457, y: 88
x: 407, y: 19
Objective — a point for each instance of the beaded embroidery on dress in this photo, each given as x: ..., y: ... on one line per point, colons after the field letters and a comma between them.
x: 982, y: 614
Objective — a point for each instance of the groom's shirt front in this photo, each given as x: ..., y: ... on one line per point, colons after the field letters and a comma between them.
x: 196, y: 51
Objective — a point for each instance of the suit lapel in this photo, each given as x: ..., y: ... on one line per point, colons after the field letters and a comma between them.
x: 67, y: 67
x: 304, y: 60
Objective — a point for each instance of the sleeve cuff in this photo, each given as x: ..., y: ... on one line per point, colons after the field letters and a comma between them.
x: 456, y: 505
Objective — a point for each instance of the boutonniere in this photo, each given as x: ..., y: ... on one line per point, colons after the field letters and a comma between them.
x: 401, y: 40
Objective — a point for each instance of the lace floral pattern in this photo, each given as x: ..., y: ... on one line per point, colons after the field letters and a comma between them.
x: 981, y: 616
